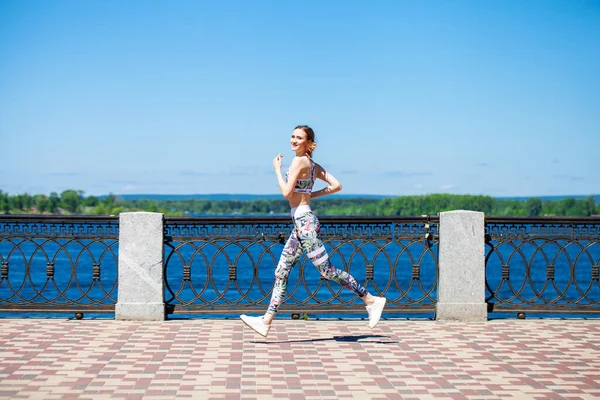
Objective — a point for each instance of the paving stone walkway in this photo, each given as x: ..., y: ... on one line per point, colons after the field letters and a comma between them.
x: 222, y: 359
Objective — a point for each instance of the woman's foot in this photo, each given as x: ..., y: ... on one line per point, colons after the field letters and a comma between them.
x: 374, y: 309
x: 256, y: 323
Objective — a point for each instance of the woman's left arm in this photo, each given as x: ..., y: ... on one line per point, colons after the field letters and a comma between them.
x: 333, y: 186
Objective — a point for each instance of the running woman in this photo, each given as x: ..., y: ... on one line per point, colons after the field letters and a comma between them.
x: 297, y: 188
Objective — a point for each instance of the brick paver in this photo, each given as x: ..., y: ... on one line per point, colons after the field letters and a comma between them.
x: 222, y: 359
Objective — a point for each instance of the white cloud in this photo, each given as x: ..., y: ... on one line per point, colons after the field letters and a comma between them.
x: 129, y: 188
x: 404, y: 174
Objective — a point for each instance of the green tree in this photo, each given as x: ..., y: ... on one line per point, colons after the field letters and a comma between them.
x: 16, y: 202
x: 27, y: 201
x: 4, y: 203
x: 590, y: 205
x: 91, y: 201
x: 109, y: 200
x: 54, y: 201
x: 101, y: 209
x: 70, y: 200
x: 563, y: 206
x: 42, y: 203
x: 533, y: 206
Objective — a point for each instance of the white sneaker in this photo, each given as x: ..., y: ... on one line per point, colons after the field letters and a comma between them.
x: 375, y: 311
x: 257, y: 324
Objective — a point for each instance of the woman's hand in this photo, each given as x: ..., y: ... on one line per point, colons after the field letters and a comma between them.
x: 277, y: 161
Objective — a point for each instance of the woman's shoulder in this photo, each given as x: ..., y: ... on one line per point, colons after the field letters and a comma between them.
x: 301, y: 161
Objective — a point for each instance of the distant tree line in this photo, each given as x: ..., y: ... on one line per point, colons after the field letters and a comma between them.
x: 75, y: 202
x: 68, y: 202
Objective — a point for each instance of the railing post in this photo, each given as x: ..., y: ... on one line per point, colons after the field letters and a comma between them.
x: 141, y: 250
x: 461, y: 286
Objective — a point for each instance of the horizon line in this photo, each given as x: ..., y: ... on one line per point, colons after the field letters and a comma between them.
x: 353, y: 195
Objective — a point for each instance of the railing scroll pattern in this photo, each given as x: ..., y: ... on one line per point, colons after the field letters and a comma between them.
x: 58, y: 263
x: 226, y: 265
x: 545, y: 265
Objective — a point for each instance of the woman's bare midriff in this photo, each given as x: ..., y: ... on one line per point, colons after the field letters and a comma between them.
x: 299, y: 199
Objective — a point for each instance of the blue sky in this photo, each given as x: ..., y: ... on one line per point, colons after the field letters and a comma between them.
x: 406, y: 97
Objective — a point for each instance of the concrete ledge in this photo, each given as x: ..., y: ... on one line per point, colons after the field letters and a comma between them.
x: 468, y: 312
x: 141, y: 311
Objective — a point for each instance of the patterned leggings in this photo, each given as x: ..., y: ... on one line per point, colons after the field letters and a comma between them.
x: 304, y: 237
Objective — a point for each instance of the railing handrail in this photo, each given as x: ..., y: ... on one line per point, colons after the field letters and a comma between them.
x: 237, y: 219
x: 286, y: 219
x: 539, y: 220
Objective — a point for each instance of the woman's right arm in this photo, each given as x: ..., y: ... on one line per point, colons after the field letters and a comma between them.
x: 333, y: 186
x: 287, y: 188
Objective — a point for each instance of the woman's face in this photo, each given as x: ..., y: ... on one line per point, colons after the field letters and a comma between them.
x: 299, y: 141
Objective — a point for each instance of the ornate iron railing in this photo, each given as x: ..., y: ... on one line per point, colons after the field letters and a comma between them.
x: 543, y: 265
x: 225, y: 265
x: 58, y: 263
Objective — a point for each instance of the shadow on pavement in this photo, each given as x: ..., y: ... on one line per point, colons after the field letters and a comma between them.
x: 350, y: 338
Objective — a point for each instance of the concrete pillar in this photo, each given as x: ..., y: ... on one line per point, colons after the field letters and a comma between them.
x: 461, y: 287
x: 141, y: 251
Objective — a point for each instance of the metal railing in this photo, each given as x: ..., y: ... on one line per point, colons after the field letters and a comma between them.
x: 225, y: 265
x: 543, y: 264
x: 58, y: 263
